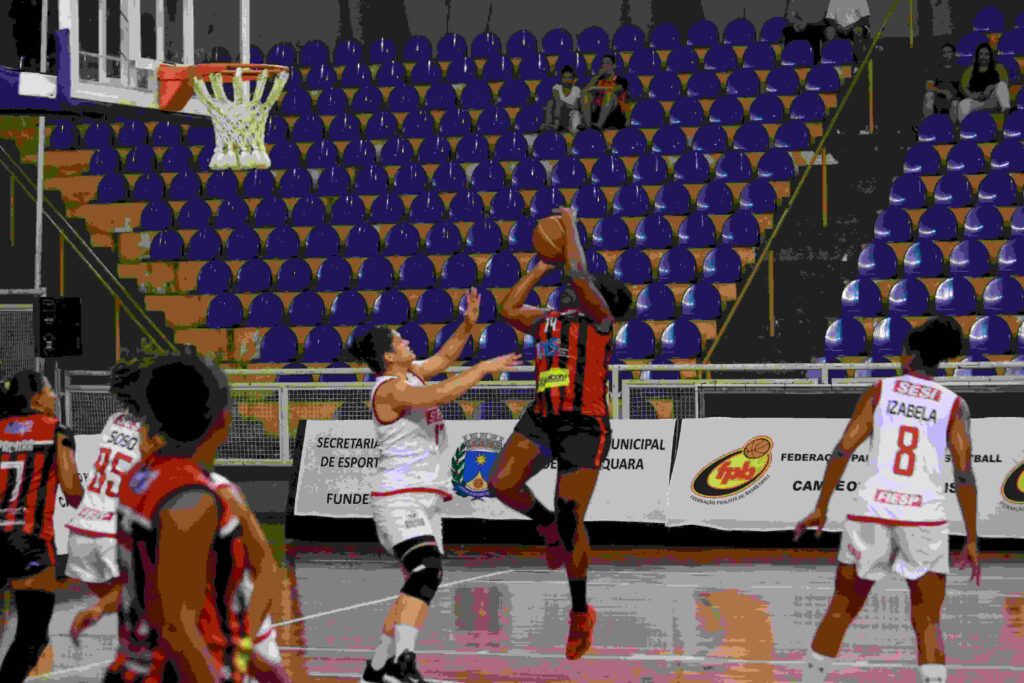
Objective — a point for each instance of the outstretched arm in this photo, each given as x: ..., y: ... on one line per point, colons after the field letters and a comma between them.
x: 514, y: 309
x: 449, y: 352
x: 590, y: 299
x: 396, y: 395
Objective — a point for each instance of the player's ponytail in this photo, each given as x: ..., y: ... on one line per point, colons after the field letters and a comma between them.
x: 938, y: 339
x: 16, y: 393
x: 371, y: 346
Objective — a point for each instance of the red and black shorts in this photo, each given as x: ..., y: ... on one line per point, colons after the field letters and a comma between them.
x: 575, y: 441
x: 23, y: 555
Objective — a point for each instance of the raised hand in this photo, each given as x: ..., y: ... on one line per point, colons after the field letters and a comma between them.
x: 814, y: 520
x: 472, y: 307
x: 502, y: 363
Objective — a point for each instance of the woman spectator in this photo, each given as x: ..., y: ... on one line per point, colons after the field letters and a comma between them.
x: 605, y: 99
x: 984, y: 84
x: 563, y: 110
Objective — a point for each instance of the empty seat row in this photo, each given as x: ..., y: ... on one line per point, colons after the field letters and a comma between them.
x: 927, y: 259
x: 1002, y: 295
x: 979, y: 126
x: 846, y: 336
x: 955, y: 189
x: 965, y: 157
x: 985, y: 221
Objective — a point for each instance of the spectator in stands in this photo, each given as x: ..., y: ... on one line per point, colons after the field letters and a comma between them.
x: 984, y: 84
x: 849, y: 15
x: 563, y: 110
x: 605, y: 98
x: 942, y: 93
x: 801, y: 29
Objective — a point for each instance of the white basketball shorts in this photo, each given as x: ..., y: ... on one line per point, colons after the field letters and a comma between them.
x: 92, y: 559
x: 878, y: 550
x: 405, y: 516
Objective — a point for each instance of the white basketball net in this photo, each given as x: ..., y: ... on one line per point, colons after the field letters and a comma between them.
x: 240, y: 124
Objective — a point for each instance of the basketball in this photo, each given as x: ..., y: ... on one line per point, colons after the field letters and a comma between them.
x: 549, y: 239
x: 758, y: 447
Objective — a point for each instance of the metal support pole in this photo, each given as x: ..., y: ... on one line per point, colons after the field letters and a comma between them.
x: 871, y: 96
x: 910, y: 5
x: 40, y: 163
x: 771, y: 293
x: 284, y: 442
x: 824, y: 187
x: 616, y: 389
x: 44, y: 31
x: 188, y: 29
x: 244, y: 31
x: 102, y: 24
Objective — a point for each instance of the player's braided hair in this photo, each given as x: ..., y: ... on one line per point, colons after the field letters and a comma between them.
x: 937, y: 339
x: 615, y: 293
x: 124, y: 383
x: 371, y: 346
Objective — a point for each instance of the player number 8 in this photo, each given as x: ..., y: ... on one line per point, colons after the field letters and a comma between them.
x: 905, y: 454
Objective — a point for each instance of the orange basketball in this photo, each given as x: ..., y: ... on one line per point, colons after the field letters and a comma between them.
x: 758, y: 447
x: 549, y: 240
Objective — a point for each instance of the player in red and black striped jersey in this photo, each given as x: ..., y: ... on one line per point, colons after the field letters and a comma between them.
x: 36, y: 454
x: 568, y: 421
x: 181, y: 557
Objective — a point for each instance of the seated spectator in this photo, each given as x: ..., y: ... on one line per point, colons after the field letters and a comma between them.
x: 605, y: 98
x: 942, y: 92
x: 984, y: 84
x: 849, y: 15
x: 563, y: 110
x: 801, y: 29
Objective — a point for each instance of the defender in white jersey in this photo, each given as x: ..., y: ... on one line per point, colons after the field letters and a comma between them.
x: 900, y: 526
x: 412, y: 479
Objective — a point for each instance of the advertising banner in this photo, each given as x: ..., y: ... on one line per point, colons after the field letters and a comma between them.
x: 766, y: 474
x: 337, y: 459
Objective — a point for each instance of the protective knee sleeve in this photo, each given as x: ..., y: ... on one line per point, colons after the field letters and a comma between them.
x: 35, y: 608
x: 424, y: 565
x: 568, y: 521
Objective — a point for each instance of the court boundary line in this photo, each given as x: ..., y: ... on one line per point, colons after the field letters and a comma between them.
x: 639, y: 657
x: 66, y: 672
x: 391, y: 598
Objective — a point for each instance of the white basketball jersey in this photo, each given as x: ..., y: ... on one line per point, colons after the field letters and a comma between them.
x: 910, y: 441
x: 118, y: 453
x: 411, y: 448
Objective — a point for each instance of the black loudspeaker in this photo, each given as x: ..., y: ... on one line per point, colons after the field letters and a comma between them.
x: 59, y: 327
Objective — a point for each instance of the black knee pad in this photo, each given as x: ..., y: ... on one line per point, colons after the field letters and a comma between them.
x: 425, y: 566
x: 35, y: 608
x: 566, y: 514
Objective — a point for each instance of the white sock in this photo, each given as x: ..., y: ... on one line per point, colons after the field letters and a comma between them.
x: 382, y: 653
x: 933, y: 673
x: 405, y: 638
x: 816, y: 667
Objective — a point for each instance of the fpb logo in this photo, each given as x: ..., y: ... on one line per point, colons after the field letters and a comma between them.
x: 1013, y: 485
x: 471, y: 465
x: 736, y: 471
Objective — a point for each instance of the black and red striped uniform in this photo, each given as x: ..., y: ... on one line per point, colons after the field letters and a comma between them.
x: 28, y: 475
x: 571, y: 345
x: 142, y: 656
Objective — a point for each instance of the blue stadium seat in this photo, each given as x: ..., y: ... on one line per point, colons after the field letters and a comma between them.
x: 282, y: 243
x: 204, y: 245
x: 502, y: 270
x: 908, y: 192
x: 434, y: 306
x: 611, y: 234
x: 798, y: 53
x: 321, y: 242
x: 243, y: 244
x: 497, y: 339
x: 936, y: 129
x: 371, y: 179
x: 449, y: 177
x: 701, y: 301
x: 1013, y: 125
x: 332, y: 102
x: 309, y: 211
x: 381, y: 126
x: 507, y: 205
x: 233, y: 212
x: 990, y: 334
x: 1003, y: 295
x: 176, y: 159
x: 687, y: 111
x: 664, y: 36
x: 320, y: 77
x: 589, y: 202
x: 877, y: 260
x: 375, y: 273
x: 703, y: 33
x: 953, y: 189
x: 166, y: 246
x: 222, y: 184
x: 630, y: 142
x: 760, y: 56
x: 390, y: 308
x: 333, y: 275
x: 782, y: 81
x: 530, y: 117
x: 922, y: 159
x: 681, y: 339
x: 443, y: 238
x: 157, y: 216
x: 776, y: 165
x: 793, y: 135
x: 363, y: 240
x: 633, y: 267
x: 644, y: 62
x: 861, y: 298
x: 683, y: 59
x: 908, y: 297
x: 258, y: 183
x: 822, y: 79
x: 447, y: 331
x: 493, y: 121
x: 727, y: 110
x: 283, y: 54
x: 451, y: 46
x: 139, y: 160
x: 193, y: 215
x: 979, y: 127
x: 759, y: 197
x: 807, y: 107
x: 722, y: 264
x: 989, y: 20
x: 484, y: 237
x: 893, y: 225
x: 520, y: 236
x: 348, y: 308
x: 521, y: 44
x: 253, y: 276
x: 382, y: 50
x: 132, y: 134
x: 476, y: 94
x: 692, y: 167
x: 845, y: 337
x: 472, y: 149
x: 634, y: 340
x: 1011, y: 257
x: 739, y: 32
x: 1017, y: 223
x: 741, y: 230
x: 426, y: 208
x: 455, y: 123
x: 1008, y: 155
x: 593, y: 40
x: 716, y: 198
x: 411, y: 179
x: 418, y: 125
x: 734, y: 166
x: 923, y: 259
x: 955, y: 296
x: 889, y: 335
x: 466, y: 206
x: 265, y: 310
x: 984, y: 222
x: 998, y: 188
x: 184, y: 186
x: 401, y: 240
x: 279, y: 345
x: 743, y: 83
x: 396, y: 152
x: 720, y: 58
x: 112, y: 188
x: 672, y: 199
x: 697, y: 231
x: 704, y: 85
x: 608, y: 171
x: 270, y: 213
x: 458, y: 272
x: 710, y: 139
x: 64, y: 136
x: 937, y: 223
x: 656, y: 302
x: 347, y: 209
x: 669, y: 141
x: 306, y: 309
x: 654, y: 232
x: 323, y: 345
x: 498, y: 69
x: 511, y: 146
x: 677, y: 265
x: 837, y: 52
x: 417, y: 49
x: 425, y: 73
x: 631, y: 200
x: 148, y: 187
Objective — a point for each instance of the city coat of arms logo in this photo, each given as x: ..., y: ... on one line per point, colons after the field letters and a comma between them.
x: 472, y: 463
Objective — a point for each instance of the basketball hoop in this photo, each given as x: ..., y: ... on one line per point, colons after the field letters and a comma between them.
x: 239, y: 120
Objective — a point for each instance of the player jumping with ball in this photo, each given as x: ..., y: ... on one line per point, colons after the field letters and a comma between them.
x: 568, y: 421
x: 411, y: 481
x: 900, y: 527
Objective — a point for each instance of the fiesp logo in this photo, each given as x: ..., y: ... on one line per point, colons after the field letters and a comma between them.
x: 1013, y: 485
x: 735, y: 471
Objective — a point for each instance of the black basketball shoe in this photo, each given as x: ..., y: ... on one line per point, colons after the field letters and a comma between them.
x: 371, y: 675
x: 402, y: 669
